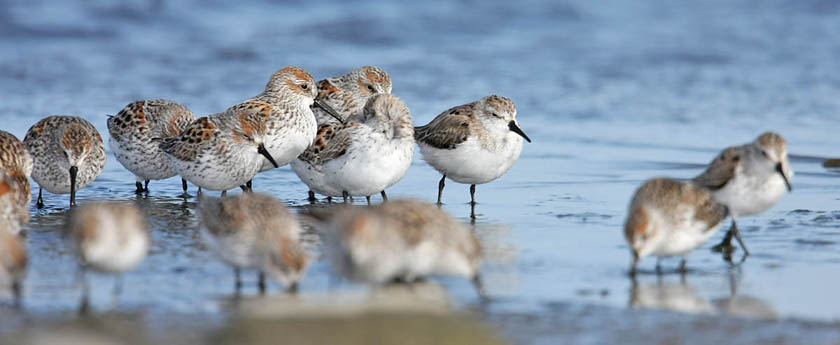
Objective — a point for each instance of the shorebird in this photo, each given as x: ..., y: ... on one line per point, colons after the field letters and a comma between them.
x: 254, y: 231
x: 133, y: 131
x: 16, y: 163
x: 108, y: 237
x: 669, y: 217
x: 364, y: 157
x: 221, y: 151
x: 749, y: 179
x: 347, y: 94
x: 67, y: 153
x: 400, y: 240
x: 290, y: 125
x: 473, y: 143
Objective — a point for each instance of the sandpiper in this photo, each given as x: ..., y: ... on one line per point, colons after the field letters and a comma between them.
x: 669, y: 217
x: 749, y: 179
x: 347, y: 94
x: 67, y: 152
x: 400, y: 240
x: 108, y: 237
x: 473, y: 143
x: 254, y: 231
x: 13, y: 260
x: 16, y: 162
x: 132, y: 132
x: 291, y: 127
x: 221, y: 151
x: 367, y: 155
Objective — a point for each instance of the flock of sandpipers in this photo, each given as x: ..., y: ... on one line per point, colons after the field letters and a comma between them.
x: 346, y: 136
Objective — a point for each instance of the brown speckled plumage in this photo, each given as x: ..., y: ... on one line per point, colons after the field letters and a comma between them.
x: 16, y: 162
x: 134, y: 131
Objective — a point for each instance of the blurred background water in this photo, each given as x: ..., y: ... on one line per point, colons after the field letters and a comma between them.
x: 611, y: 92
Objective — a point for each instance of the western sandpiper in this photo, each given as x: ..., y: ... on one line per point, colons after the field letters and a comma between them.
x: 67, y: 152
x: 132, y: 132
x: 473, y: 143
x: 16, y: 162
x: 221, y: 151
x: 749, y: 179
x: 347, y: 94
x: 254, y: 231
x: 669, y: 217
x: 291, y: 125
x: 400, y: 240
x: 108, y: 237
x: 368, y: 154
x: 13, y: 260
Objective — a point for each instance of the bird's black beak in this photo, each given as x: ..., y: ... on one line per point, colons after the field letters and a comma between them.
x: 329, y: 110
x: 782, y: 172
x: 514, y: 128
x: 261, y: 149
x: 73, y: 172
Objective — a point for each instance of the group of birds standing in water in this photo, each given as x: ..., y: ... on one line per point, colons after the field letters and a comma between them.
x: 346, y: 136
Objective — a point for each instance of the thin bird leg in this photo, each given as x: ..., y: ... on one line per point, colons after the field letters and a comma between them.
x: 384, y: 196
x: 184, y: 187
x: 367, y: 197
x: 441, y: 184
x: 40, y: 202
x: 725, y: 245
x: 146, y: 187
x: 139, y: 186
x: 261, y: 283
x: 738, y: 237
x: 311, y: 198
x: 344, y: 195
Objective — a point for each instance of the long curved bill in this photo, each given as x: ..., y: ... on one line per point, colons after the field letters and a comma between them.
x: 514, y: 128
x: 782, y: 172
x: 261, y: 149
x: 329, y: 110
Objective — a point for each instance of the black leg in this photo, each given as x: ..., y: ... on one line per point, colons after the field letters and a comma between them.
x: 184, y: 187
x: 384, y: 196
x: 146, y: 187
x: 224, y: 193
x: 634, y: 265
x: 84, y: 306
x: 472, y: 194
x: 658, y: 266
x: 740, y: 240
x: 479, y: 287
x: 368, y: 199
x: 682, y: 268
x: 329, y: 200
x: 725, y: 246
x: 261, y: 283
x: 238, y: 280
x: 345, y: 195
x: 139, y: 186
x: 441, y: 184
x: 293, y: 288
x: 311, y: 197
x: 17, y: 292
x: 40, y: 202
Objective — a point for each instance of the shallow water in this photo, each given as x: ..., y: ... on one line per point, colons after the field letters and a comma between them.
x: 611, y: 93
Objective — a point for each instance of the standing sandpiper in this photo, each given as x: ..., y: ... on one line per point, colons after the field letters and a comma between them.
x: 398, y: 241
x: 473, y: 143
x: 364, y: 157
x: 67, y: 152
x: 669, y: 217
x: 253, y: 230
x: 221, y: 151
x: 290, y: 125
x: 132, y: 132
x: 107, y: 237
x: 347, y: 94
x: 749, y: 179
x: 16, y: 163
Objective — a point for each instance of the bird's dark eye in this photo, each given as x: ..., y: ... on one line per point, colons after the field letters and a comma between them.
x: 763, y: 152
x: 496, y: 115
x: 370, y: 87
x: 247, y: 137
x: 304, y: 86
